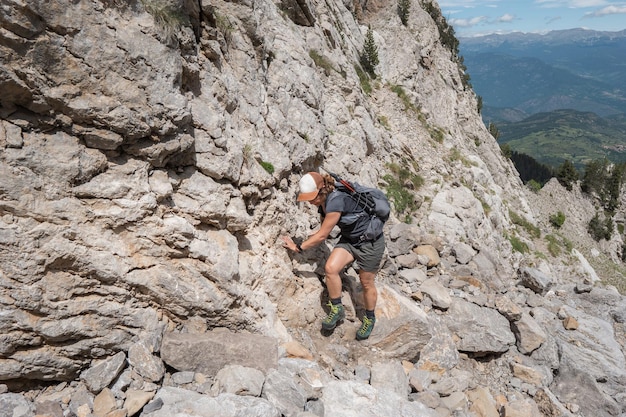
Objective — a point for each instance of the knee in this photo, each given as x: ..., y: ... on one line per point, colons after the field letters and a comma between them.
x: 330, y: 269
x: 368, y: 282
x: 368, y: 285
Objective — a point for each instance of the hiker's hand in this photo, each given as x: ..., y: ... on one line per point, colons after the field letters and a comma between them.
x: 289, y: 243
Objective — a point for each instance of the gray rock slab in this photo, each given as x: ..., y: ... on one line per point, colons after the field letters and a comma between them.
x: 391, y: 377
x: 572, y: 386
x: 480, y: 330
x: 535, y: 280
x: 16, y: 405
x: 355, y: 399
x: 402, y: 329
x: 239, y: 380
x: 102, y: 373
x: 282, y: 390
x: 145, y: 363
x: 209, y: 352
x: 184, y: 403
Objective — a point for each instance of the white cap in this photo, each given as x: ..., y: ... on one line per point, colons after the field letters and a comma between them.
x: 310, y: 185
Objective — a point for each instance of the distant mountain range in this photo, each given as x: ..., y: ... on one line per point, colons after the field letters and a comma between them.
x: 521, y: 74
x: 561, y: 95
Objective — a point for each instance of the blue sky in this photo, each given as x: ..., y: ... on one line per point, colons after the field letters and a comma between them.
x: 479, y: 17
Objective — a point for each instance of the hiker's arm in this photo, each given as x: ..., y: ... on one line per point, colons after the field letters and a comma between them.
x: 318, y: 237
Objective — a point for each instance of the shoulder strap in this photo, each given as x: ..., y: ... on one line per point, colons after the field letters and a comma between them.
x: 363, y: 198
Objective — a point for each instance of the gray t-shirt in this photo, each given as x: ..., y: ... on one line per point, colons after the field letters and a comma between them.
x: 353, y: 221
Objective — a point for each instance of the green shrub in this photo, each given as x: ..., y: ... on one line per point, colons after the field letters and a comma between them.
x: 436, y: 133
x: 505, y: 148
x: 168, y: 16
x: 495, y: 132
x: 406, y: 100
x: 321, y: 62
x: 600, y: 229
x: 518, y: 245
x: 569, y: 246
x: 364, y: 80
x: 403, y: 11
x: 268, y: 167
x: 534, y: 186
x: 383, y: 120
x: 525, y: 224
x: 557, y: 219
x: 553, y: 245
x: 400, y: 186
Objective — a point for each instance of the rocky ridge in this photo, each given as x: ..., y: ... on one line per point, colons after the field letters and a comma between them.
x: 150, y: 156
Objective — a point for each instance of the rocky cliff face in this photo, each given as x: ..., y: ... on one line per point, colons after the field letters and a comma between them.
x: 150, y: 157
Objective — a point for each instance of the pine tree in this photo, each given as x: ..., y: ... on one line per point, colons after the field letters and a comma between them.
x: 403, y: 11
x: 614, y: 186
x: 567, y: 174
x: 369, y: 56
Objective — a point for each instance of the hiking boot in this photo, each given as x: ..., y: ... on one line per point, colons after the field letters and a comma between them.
x: 335, y: 315
x: 366, y: 328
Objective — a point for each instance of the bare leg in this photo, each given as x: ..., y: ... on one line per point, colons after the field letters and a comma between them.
x: 370, y: 293
x: 337, y: 260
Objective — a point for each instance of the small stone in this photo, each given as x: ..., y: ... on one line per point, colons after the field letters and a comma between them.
x: 570, y: 323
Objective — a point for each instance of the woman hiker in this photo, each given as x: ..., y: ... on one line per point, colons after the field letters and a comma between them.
x: 339, y: 209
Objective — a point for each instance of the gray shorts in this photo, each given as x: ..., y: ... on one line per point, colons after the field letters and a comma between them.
x: 367, y: 254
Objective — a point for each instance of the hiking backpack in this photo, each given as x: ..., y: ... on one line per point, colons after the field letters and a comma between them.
x: 373, y: 201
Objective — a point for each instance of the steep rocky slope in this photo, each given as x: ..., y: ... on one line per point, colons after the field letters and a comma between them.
x: 150, y: 158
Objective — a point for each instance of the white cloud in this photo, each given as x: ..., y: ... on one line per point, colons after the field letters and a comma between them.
x: 467, y: 4
x: 506, y: 18
x: 466, y: 23
x: 572, y: 4
x: 576, y: 4
x: 608, y: 10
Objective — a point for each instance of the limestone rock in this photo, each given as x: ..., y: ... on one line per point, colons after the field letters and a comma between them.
x: 136, y: 400
x: 437, y: 293
x: 570, y: 323
x: 16, y: 405
x: 240, y: 380
x: 184, y: 351
x: 431, y: 254
x: 574, y: 386
x: 480, y: 330
x: 402, y: 329
x: 508, y: 308
x: 104, y: 403
x: 101, y: 374
x: 193, y: 404
x: 483, y: 403
x: 521, y: 408
x: 353, y: 399
x: 529, y: 334
x: 535, y: 280
x: 284, y: 392
x: 149, y: 161
x: 390, y: 376
x: 149, y: 366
